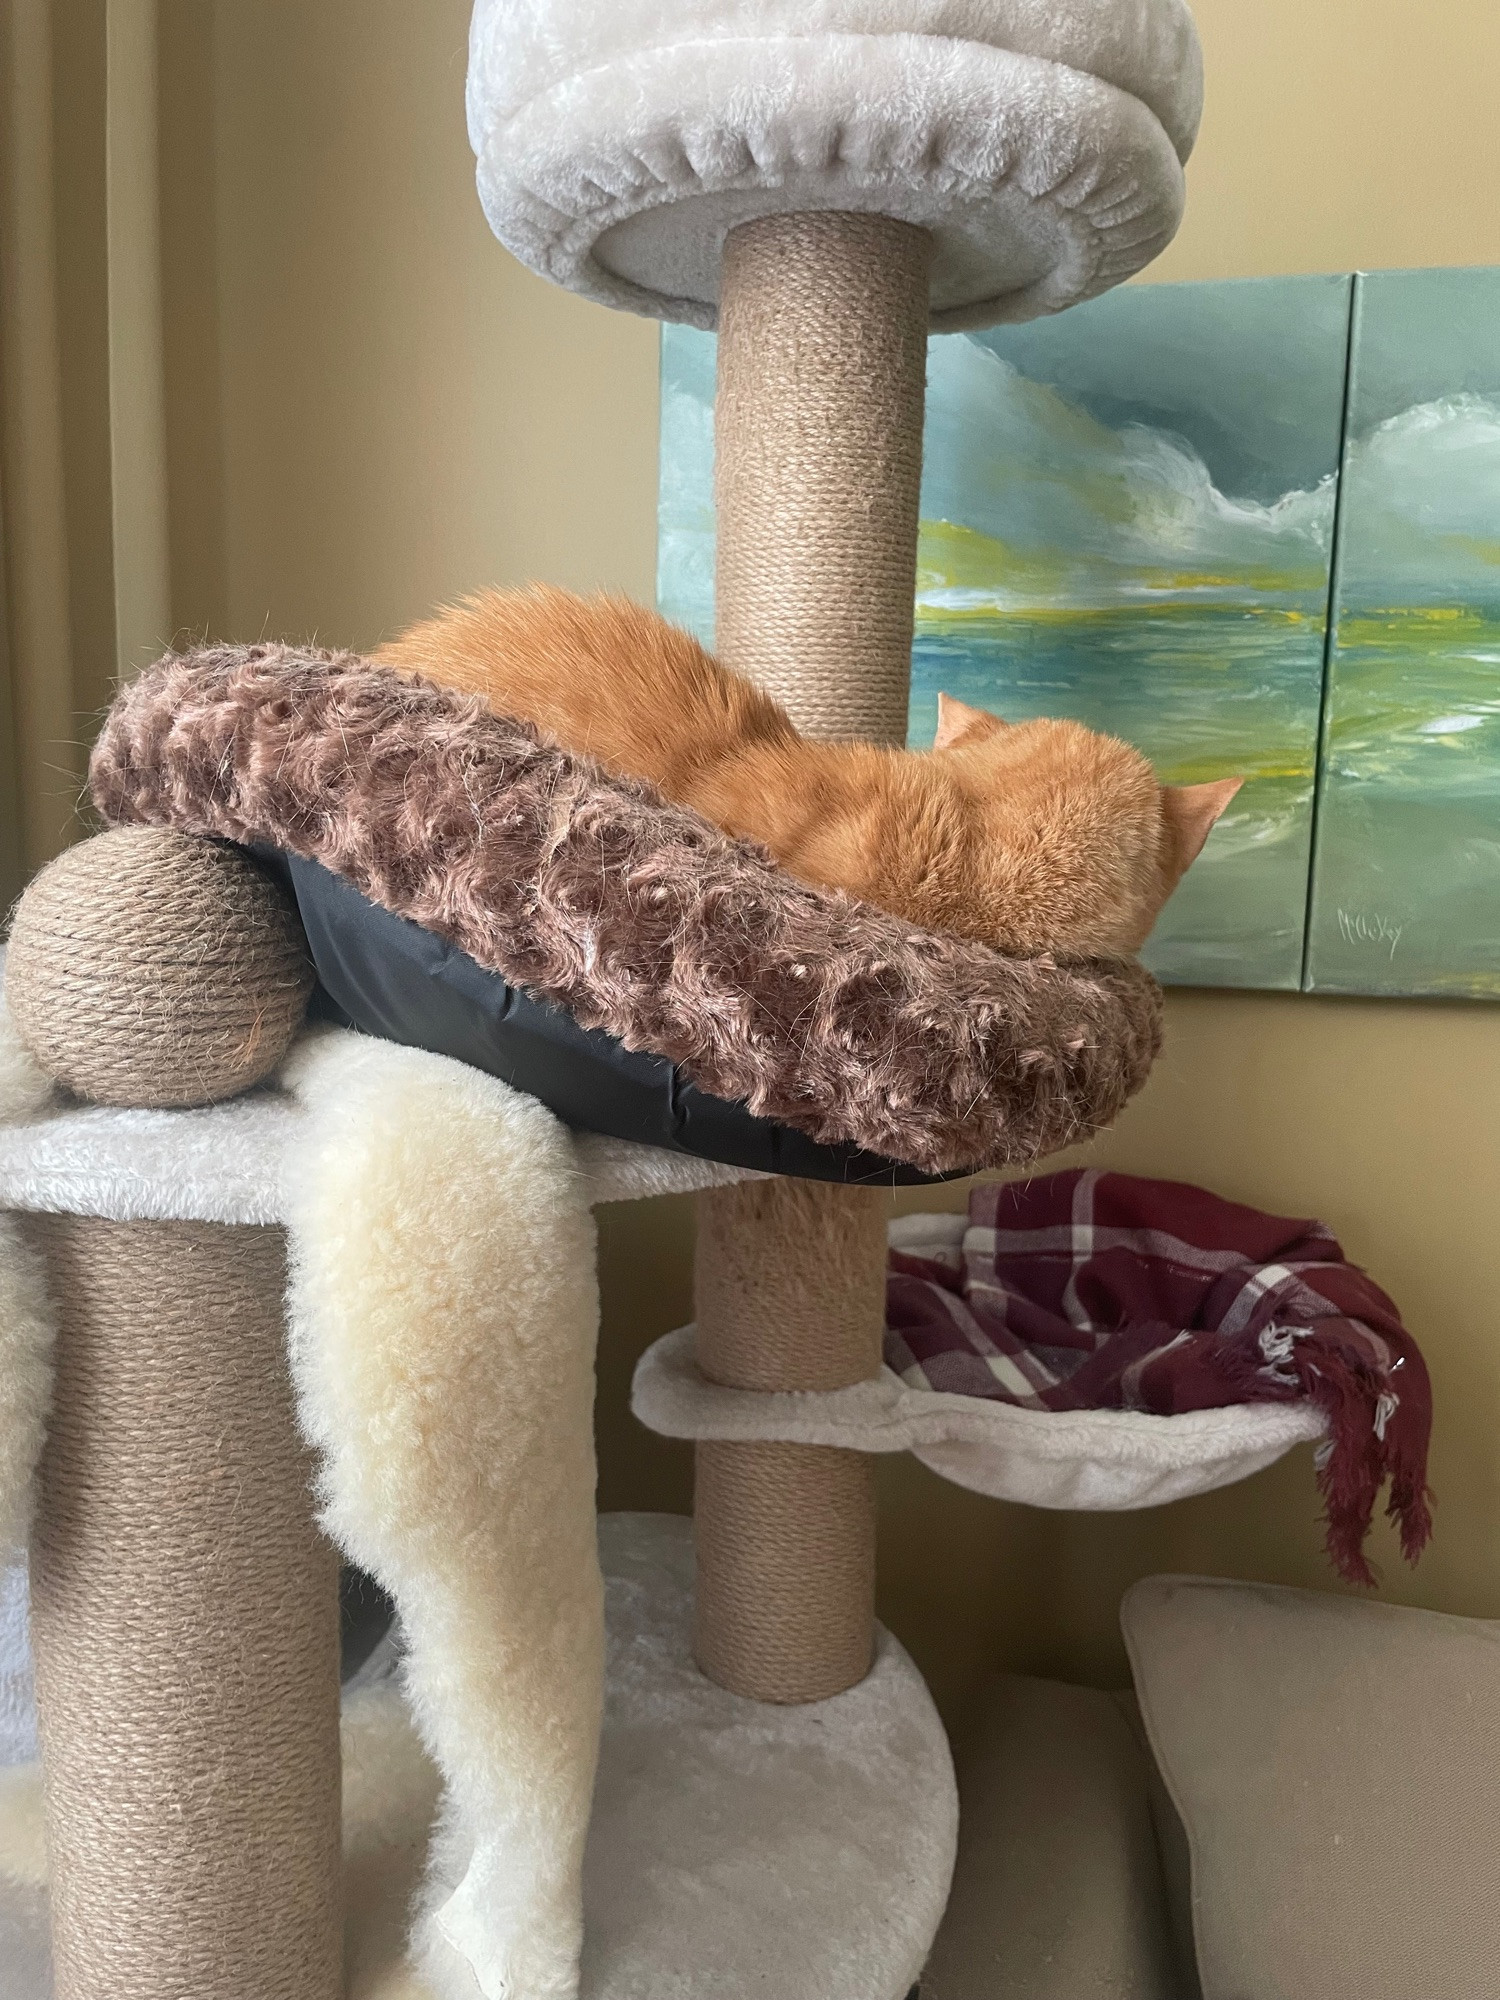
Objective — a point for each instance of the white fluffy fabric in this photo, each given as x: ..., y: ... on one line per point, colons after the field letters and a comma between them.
x: 227, y: 1162
x: 27, y: 1330
x: 1095, y: 1461
x: 17, y: 1697
x: 25, y: 1091
x: 737, y: 1850
x: 1041, y: 141
x: 442, y: 1313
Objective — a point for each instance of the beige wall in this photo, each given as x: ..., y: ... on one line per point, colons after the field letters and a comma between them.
x: 369, y: 406
x: 404, y: 412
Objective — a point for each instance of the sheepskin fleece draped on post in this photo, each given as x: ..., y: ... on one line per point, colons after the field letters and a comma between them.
x: 27, y: 1331
x: 28, y: 1327
x: 442, y: 1313
x: 633, y: 914
x: 441, y: 1320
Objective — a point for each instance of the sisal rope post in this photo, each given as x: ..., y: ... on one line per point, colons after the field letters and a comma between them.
x: 184, y: 1604
x: 818, y: 423
x: 822, y: 376
x: 184, y: 1619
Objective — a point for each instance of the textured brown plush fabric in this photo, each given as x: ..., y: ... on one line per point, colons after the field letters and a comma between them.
x: 635, y: 915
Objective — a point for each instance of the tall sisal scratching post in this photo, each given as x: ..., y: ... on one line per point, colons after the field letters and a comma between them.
x: 823, y: 185
x: 185, y: 1614
x: 184, y: 1618
x: 818, y: 426
x: 822, y: 362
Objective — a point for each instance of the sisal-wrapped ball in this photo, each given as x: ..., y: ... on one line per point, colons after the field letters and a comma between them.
x: 147, y: 968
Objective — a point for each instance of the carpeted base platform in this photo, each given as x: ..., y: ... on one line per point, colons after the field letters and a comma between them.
x: 735, y: 1849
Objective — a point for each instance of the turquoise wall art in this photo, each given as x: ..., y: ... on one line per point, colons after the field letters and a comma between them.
x: 1406, y: 879
x: 1233, y: 523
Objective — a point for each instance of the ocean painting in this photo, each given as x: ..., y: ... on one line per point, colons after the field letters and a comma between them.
x: 1406, y: 884
x: 1127, y: 517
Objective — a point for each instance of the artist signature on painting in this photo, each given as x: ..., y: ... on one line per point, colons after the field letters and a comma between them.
x: 1356, y: 927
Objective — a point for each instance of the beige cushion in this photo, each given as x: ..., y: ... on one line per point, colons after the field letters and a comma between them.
x: 1336, y: 1766
x: 1057, y: 1892
x: 1172, y: 1853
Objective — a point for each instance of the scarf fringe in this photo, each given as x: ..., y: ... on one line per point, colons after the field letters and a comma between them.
x: 1359, y: 1460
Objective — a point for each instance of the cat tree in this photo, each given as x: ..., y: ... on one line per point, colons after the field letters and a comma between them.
x: 821, y: 189
x: 823, y: 185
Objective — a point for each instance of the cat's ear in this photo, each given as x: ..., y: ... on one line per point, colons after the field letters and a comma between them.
x: 958, y: 723
x: 1190, y: 812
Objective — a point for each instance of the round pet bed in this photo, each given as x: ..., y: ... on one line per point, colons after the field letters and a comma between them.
x: 385, y: 975
x: 634, y: 916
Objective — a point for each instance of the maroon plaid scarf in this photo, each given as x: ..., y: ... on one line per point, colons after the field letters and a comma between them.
x: 1101, y: 1291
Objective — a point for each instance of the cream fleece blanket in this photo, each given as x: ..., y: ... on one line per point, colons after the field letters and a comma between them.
x: 442, y: 1316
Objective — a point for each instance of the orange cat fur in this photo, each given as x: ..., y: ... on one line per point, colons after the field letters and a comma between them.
x: 1030, y: 836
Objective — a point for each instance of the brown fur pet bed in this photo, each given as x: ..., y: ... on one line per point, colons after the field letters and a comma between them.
x: 633, y: 914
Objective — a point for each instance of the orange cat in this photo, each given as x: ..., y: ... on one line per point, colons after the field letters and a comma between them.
x: 1031, y: 836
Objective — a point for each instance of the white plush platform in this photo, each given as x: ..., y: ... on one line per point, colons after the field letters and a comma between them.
x: 224, y: 1163
x: 736, y: 1850
x: 1041, y: 145
x: 1097, y: 1461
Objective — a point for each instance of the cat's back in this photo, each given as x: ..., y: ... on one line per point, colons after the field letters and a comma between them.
x: 599, y: 675
x: 526, y: 646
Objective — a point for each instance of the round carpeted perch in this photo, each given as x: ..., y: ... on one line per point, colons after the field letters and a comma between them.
x: 1040, y: 146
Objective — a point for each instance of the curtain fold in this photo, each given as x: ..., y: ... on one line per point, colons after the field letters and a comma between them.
x: 42, y: 779
x: 84, y: 553
x: 137, y: 385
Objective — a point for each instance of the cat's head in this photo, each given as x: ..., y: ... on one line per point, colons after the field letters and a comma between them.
x: 1081, y: 845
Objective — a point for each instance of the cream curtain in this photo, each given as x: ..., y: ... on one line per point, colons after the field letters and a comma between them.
x: 85, y: 587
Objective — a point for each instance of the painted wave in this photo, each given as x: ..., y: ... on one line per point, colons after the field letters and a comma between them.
x: 1076, y: 512
x: 1423, y: 491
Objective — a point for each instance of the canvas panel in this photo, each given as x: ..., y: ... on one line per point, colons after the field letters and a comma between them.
x: 1407, y: 875
x: 1127, y: 517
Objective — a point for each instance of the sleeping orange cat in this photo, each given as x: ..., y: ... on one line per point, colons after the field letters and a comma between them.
x: 1031, y: 836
